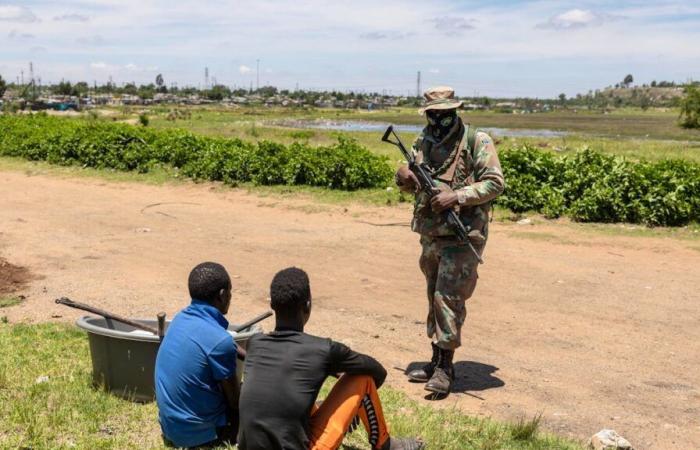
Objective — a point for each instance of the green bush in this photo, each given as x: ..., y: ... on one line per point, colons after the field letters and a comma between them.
x: 592, y: 187
x: 343, y: 165
x: 586, y: 186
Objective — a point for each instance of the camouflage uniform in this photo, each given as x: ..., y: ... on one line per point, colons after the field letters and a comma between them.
x: 449, y: 266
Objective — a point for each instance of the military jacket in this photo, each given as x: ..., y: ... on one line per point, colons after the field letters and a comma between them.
x: 473, y: 173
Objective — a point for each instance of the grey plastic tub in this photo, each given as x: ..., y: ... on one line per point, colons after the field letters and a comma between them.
x: 123, y: 357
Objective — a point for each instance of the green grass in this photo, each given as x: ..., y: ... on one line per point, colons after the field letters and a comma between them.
x: 157, y: 176
x: 10, y: 300
x: 66, y: 412
x: 633, y: 133
x: 631, y: 148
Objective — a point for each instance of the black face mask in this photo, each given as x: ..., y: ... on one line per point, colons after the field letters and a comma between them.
x: 441, y: 122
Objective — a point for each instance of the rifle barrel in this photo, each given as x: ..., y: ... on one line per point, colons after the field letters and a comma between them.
x: 428, y: 184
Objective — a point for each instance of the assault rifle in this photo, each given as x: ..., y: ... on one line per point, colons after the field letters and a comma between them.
x: 428, y: 185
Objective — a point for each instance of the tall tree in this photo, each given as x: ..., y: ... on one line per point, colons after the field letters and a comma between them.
x: 3, y: 86
x: 690, y: 107
x: 628, y: 80
x: 160, y: 82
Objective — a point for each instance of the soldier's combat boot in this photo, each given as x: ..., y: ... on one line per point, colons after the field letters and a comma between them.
x: 424, y: 373
x: 441, y: 381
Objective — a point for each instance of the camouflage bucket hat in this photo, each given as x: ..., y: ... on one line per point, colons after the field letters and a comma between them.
x: 440, y: 97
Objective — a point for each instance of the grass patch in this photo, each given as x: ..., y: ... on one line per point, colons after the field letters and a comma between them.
x: 652, y: 135
x: 525, y: 430
x: 7, y: 301
x: 372, y: 197
x: 66, y: 412
x: 157, y: 176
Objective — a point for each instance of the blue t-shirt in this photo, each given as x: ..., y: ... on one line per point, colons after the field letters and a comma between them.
x: 195, y: 355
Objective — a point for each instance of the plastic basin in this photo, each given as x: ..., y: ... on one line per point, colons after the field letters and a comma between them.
x: 123, y: 357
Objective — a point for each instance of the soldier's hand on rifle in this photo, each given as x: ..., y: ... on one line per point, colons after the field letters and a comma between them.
x: 406, y: 180
x: 447, y: 198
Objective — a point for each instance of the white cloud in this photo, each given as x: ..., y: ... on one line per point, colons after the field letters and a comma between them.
x: 12, y: 13
x: 71, y: 18
x: 131, y: 67
x: 93, y: 40
x: 98, y: 66
x: 434, y: 71
x: 16, y: 35
x: 452, y: 25
x: 380, y: 35
x: 352, y: 45
x: 574, y: 18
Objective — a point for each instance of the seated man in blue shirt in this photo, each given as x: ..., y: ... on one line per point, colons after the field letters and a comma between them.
x: 196, y: 386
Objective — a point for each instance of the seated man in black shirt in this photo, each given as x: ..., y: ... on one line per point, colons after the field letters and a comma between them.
x: 284, y: 371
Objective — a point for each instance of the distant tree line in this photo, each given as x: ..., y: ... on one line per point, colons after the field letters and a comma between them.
x: 622, y: 94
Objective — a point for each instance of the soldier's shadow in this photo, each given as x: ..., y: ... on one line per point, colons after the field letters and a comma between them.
x: 470, y: 376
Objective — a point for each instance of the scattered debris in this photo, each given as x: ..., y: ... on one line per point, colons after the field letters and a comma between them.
x: 143, y: 230
x: 525, y: 221
x: 12, y: 278
x: 42, y: 379
x: 608, y: 440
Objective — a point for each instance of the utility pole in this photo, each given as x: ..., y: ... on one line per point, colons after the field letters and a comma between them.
x: 206, y: 78
x: 31, y: 80
x: 418, y: 85
x: 257, y: 75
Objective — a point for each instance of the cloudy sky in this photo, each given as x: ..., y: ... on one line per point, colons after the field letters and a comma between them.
x: 501, y: 47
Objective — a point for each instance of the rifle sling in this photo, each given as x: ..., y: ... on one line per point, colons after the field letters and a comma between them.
x: 449, y: 174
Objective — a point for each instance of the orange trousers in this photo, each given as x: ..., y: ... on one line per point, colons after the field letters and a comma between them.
x: 352, y: 395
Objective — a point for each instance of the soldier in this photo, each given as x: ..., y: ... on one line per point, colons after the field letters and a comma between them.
x: 464, y: 163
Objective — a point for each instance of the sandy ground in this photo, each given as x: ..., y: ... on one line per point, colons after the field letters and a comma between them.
x: 592, y: 331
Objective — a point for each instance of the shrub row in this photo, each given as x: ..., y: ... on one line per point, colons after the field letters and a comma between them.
x: 593, y: 187
x: 587, y: 186
x: 90, y: 143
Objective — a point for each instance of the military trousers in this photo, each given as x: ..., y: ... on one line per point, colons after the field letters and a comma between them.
x: 450, y: 270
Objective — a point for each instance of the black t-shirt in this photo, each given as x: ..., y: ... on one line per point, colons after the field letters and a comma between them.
x: 284, y: 371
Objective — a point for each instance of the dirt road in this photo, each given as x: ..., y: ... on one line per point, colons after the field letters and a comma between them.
x: 592, y: 331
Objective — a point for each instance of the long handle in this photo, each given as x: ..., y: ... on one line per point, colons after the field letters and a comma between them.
x: 252, y: 321
x: 106, y: 314
x: 161, y: 325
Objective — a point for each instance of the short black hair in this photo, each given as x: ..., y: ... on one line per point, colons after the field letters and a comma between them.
x: 206, y: 280
x: 289, y: 290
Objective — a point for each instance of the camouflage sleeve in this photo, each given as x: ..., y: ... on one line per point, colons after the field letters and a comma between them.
x: 416, y: 148
x: 488, y: 177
